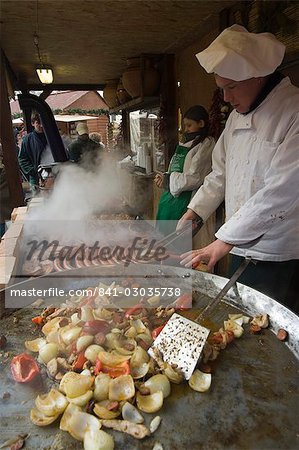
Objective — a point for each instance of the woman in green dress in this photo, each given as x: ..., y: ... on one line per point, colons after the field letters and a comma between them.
x: 188, y: 167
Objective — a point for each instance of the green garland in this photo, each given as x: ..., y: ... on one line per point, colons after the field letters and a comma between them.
x: 94, y: 112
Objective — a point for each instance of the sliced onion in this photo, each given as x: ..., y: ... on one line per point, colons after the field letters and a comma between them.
x: 139, y: 371
x: 35, y: 345
x: 173, y: 375
x: 75, y: 318
x: 84, y: 341
x: 81, y: 400
x: 101, y: 313
x: 51, y: 325
x: 112, y: 360
x: 112, y: 341
x: 139, y: 357
x: 130, y: 413
x: 80, y: 423
x: 122, y: 350
x: 150, y: 403
x: 131, y: 333
x: 70, y: 334
x: 200, y: 381
x: 52, y: 403
x: 102, y: 411
x: 68, y: 413
x: 157, y: 383
x: 121, y: 388
x: 98, y: 440
x: 40, y: 419
x: 138, y: 325
x: 54, y: 336
x: 101, y: 387
x: 74, y: 384
x: 230, y: 325
x: 86, y: 313
x: 92, y: 351
x: 48, y: 352
x: 145, y: 337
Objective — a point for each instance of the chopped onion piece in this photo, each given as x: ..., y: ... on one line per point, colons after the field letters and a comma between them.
x: 230, y: 325
x: 200, y: 381
x: 68, y: 413
x: 51, y: 403
x: 40, y: 419
x: 35, y: 345
x: 101, y: 387
x: 81, y: 400
x: 150, y: 403
x: 80, y: 423
x: 74, y: 384
x: 130, y: 413
x: 157, y: 383
x: 98, y: 440
x: 48, y: 352
x: 92, y: 351
x: 102, y: 411
x: 121, y: 388
x: 70, y: 334
x: 83, y: 342
x: 112, y: 360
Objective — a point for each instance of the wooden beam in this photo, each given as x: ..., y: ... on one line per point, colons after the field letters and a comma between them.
x: 8, y: 143
x: 66, y: 87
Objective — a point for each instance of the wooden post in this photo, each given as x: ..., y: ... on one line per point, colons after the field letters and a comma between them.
x: 169, y: 107
x: 8, y: 143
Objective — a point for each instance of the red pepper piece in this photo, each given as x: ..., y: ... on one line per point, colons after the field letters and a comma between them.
x: 157, y: 331
x: 97, y: 367
x: 134, y: 310
x: 114, y: 372
x: 38, y: 320
x: 79, y: 362
x: 183, y: 302
x: 24, y: 368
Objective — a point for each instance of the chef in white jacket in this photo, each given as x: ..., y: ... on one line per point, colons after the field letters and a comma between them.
x: 255, y: 163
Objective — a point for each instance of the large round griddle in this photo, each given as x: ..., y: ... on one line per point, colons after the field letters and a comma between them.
x: 253, y: 400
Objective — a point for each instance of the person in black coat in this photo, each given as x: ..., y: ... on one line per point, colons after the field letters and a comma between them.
x: 32, y: 147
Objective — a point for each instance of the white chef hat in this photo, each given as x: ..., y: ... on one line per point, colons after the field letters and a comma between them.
x: 82, y: 128
x: 239, y: 55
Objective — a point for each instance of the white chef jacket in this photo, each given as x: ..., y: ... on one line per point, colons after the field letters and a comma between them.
x: 256, y: 169
x: 197, y: 164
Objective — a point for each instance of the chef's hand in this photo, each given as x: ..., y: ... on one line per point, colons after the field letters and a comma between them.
x: 189, y: 215
x: 159, y: 179
x: 209, y: 255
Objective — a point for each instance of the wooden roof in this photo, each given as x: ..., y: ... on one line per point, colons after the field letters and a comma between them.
x: 87, y: 42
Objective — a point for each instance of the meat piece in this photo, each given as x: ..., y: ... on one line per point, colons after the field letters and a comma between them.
x: 282, y: 334
x: 255, y: 329
x: 136, y: 430
x: 99, y: 338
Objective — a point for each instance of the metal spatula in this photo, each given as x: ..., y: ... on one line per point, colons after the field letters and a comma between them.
x: 182, y: 340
